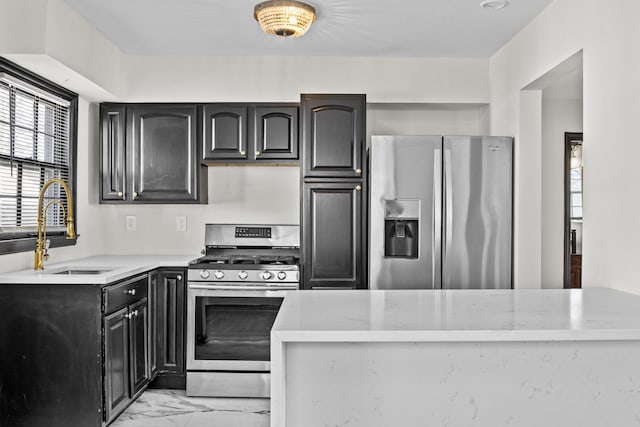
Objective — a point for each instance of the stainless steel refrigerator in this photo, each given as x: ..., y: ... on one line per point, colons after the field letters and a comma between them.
x: 441, y: 212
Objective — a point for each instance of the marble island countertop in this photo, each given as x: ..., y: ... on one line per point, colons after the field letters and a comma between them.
x: 456, y: 357
x: 111, y: 269
x: 458, y: 315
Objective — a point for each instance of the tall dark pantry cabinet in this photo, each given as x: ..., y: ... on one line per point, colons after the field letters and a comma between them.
x: 334, y: 202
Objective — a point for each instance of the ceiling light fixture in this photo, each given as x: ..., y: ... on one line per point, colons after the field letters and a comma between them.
x: 494, y: 4
x: 285, y: 18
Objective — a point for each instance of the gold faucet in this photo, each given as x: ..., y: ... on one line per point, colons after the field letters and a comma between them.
x: 41, y: 245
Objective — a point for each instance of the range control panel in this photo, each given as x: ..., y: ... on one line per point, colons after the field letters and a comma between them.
x: 253, y: 232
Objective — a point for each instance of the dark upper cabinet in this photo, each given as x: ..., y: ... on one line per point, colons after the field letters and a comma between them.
x: 250, y: 133
x: 163, y: 153
x: 225, y: 131
x: 333, y: 245
x: 170, y: 318
x: 151, y: 155
x: 275, y: 132
x: 333, y: 135
x: 113, y: 152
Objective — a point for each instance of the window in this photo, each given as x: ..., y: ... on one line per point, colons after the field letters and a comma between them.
x: 576, y: 193
x: 575, y: 183
x: 37, y: 143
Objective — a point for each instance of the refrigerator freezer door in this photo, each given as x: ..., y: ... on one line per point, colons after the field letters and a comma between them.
x: 477, y: 216
x: 406, y: 195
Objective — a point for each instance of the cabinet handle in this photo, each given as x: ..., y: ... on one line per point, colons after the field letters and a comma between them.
x: 243, y: 153
x: 130, y: 291
x: 358, y: 187
x: 179, y: 277
x: 128, y: 316
x: 120, y: 194
x: 135, y: 195
x: 257, y: 153
x: 134, y: 313
x: 358, y: 171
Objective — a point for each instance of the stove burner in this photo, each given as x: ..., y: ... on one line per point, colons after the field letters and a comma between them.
x: 249, y: 259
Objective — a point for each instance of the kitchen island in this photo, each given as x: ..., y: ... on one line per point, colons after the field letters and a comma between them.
x: 479, y: 357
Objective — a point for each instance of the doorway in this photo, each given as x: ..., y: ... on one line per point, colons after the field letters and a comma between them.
x: 573, y: 217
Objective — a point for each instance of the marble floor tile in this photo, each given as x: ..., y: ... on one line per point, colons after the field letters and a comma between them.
x: 172, y: 408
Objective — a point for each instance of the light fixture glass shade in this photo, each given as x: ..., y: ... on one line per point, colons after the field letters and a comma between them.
x: 286, y: 18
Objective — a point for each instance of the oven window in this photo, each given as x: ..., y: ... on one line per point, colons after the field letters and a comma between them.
x: 234, y: 328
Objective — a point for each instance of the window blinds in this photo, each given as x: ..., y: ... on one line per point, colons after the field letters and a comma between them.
x: 34, y: 147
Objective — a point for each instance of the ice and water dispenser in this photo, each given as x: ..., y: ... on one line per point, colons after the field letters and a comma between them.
x: 401, y: 228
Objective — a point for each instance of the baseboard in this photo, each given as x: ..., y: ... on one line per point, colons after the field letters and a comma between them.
x: 170, y: 380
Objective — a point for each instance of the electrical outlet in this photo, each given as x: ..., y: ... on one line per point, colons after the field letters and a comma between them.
x: 131, y: 223
x: 181, y: 223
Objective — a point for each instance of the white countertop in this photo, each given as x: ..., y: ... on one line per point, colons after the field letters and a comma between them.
x: 117, y: 267
x: 458, y: 315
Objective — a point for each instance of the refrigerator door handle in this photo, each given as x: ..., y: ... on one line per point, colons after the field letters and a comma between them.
x: 436, y: 242
x: 448, y: 214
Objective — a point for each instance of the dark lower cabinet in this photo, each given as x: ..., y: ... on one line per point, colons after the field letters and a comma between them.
x: 126, y: 344
x: 51, y: 367
x: 139, y: 342
x: 170, y: 323
x: 333, y: 235
x: 116, y: 363
x: 78, y: 355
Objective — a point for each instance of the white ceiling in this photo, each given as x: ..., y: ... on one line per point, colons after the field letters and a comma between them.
x: 390, y: 28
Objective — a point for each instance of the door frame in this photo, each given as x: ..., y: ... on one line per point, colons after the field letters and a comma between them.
x: 568, y: 138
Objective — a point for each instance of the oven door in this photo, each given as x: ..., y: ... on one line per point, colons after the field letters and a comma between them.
x: 229, y: 326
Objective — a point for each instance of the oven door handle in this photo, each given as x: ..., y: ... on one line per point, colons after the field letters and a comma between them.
x: 243, y: 287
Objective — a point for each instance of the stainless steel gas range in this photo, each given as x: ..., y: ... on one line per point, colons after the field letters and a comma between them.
x: 234, y: 293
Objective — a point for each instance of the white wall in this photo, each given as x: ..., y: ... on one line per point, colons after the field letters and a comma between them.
x: 558, y: 116
x: 242, y: 79
x: 427, y: 119
x: 609, y: 36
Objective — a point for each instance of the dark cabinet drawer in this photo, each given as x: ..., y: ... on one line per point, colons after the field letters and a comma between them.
x: 125, y: 293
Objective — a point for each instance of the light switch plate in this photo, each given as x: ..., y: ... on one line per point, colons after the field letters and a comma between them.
x: 181, y: 223
x: 131, y: 223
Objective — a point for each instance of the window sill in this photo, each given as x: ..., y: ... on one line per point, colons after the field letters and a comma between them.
x: 29, y: 244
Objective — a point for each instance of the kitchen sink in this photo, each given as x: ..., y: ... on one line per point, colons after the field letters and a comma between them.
x: 79, y: 270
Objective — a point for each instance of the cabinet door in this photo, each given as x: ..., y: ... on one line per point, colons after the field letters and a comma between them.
x: 117, y: 390
x: 275, y: 133
x: 333, y: 240
x: 139, y: 345
x: 113, y: 177
x: 170, y: 319
x: 225, y: 131
x: 333, y: 132
x: 153, y: 325
x: 163, y: 153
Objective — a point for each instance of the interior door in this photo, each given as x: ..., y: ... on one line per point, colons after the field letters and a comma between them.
x: 477, y: 212
x: 405, y: 174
